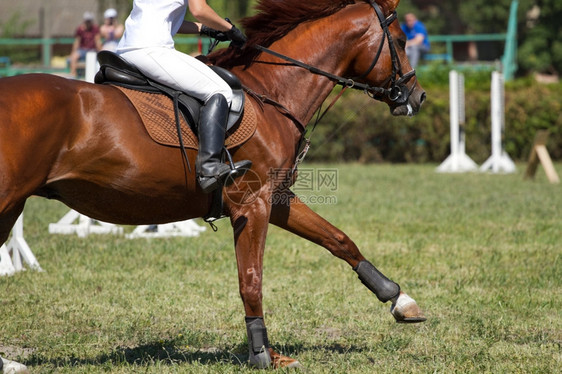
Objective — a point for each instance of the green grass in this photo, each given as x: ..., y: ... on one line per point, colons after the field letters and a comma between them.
x: 480, y: 253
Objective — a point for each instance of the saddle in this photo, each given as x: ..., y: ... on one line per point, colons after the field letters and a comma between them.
x: 159, y: 106
x: 116, y: 71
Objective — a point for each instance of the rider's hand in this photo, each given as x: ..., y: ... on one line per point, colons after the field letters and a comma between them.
x: 215, y: 34
x: 238, y: 38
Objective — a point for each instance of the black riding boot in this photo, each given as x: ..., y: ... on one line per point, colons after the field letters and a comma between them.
x: 211, y: 172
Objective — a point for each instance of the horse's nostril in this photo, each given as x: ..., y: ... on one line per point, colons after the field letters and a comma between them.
x: 422, y: 98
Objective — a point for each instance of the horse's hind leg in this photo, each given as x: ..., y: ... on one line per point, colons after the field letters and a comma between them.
x: 295, y: 216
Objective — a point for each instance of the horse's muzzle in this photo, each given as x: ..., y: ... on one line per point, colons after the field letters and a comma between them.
x: 412, y: 106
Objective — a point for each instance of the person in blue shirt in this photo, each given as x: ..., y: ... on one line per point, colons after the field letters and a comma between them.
x: 418, y: 42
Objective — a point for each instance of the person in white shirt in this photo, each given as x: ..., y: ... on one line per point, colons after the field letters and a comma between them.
x: 148, y: 44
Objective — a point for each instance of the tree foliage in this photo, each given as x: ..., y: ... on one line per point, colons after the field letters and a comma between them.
x: 541, y: 48
x: 358, y: 129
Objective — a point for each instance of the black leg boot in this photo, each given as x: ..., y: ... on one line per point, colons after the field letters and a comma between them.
x: 258, y: 343
x: 211, y: 172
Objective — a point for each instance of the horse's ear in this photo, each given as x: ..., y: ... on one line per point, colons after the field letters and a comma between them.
x: 388, y: 6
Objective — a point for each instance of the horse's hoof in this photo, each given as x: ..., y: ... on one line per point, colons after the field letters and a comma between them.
x: 12, y: 367
x: 279, y: 361
x: 405, y: 310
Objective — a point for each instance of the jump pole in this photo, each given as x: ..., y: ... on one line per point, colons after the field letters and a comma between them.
x: 187, y: 228
x: 457, y: 161
x: 499, y: 161
x: 75, y: 223
x: 81, y: 225
x: 19, y: 250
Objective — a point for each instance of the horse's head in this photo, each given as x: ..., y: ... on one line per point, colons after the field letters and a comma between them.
x: 382, y: 64
x: 367, y: 48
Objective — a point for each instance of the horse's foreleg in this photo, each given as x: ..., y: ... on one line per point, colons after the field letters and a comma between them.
x: 250, y: 230
x: 291, y: 214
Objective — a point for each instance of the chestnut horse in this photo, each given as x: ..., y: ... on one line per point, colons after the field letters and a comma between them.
x: 84, y: 144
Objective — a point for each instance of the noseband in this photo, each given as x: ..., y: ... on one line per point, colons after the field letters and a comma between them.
x: 397, y: 92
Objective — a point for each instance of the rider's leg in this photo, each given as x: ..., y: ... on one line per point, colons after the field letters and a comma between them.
x: 187, y: 74
x: 179, y: 71
x: 211, y: 171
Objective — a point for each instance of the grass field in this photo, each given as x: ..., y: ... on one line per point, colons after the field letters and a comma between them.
x: 481, y: 253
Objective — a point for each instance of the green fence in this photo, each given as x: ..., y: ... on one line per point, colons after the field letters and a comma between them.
x: 45, y: 48
x: 509, y: 58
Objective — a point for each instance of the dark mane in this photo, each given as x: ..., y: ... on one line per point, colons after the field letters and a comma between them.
x: 275, y: 18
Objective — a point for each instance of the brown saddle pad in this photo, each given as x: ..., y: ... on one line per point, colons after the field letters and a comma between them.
x: 157, y: 114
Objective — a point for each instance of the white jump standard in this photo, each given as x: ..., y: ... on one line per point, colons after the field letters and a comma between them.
x: 457, y: 161
x: 499, y: 161
x: 19, y: 250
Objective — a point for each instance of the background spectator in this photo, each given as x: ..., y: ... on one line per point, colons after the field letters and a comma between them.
x: 86, y: 39
x: 418, y: 42
x: 111, y: 30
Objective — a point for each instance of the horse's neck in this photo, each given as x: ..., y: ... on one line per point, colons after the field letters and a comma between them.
x: 328, y: 44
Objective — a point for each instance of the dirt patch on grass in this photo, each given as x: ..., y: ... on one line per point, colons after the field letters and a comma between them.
x: 11, y: 352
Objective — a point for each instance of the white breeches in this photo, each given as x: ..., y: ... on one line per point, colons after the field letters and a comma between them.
x: 178, y: 70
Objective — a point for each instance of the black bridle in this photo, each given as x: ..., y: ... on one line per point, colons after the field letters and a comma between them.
x: 397, y: 92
